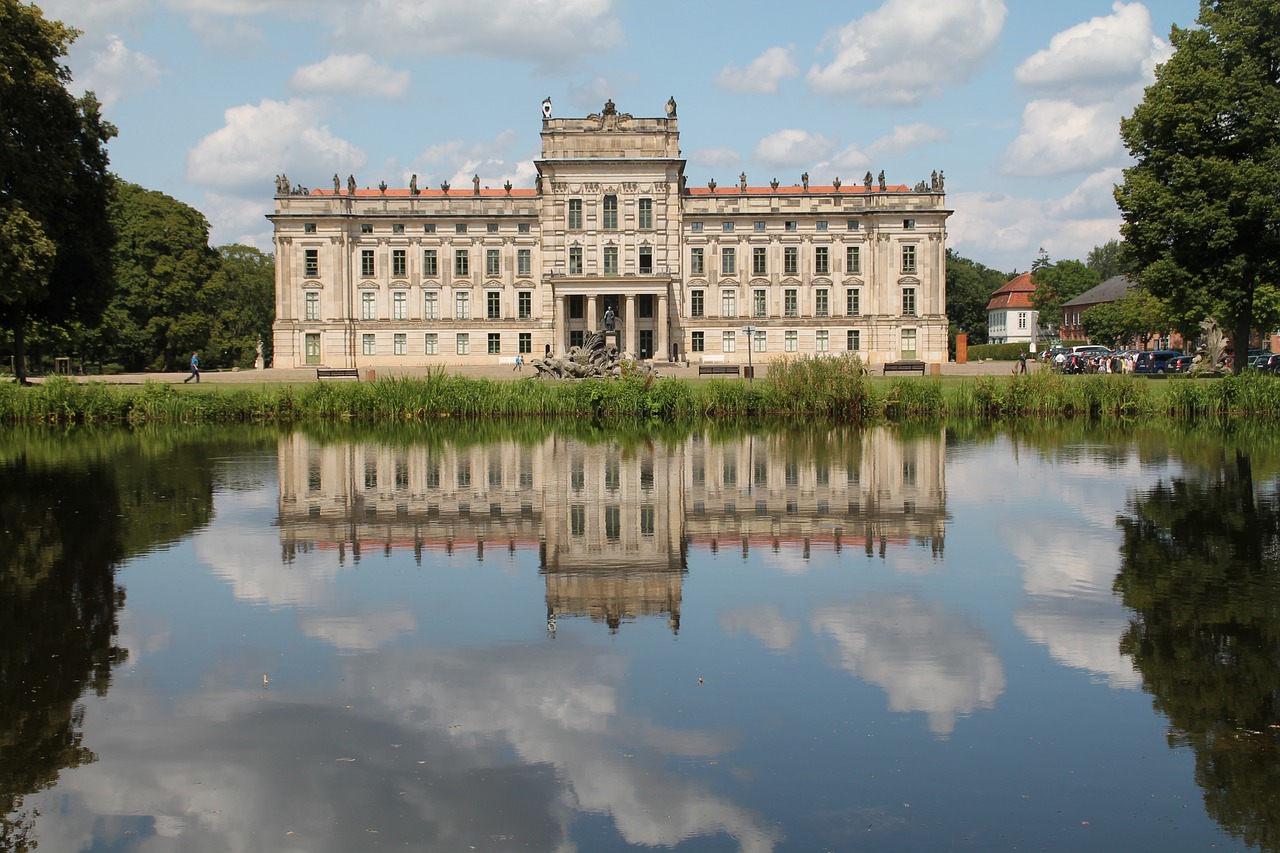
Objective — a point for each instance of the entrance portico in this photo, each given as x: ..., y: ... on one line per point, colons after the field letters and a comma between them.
x: 580, y: 305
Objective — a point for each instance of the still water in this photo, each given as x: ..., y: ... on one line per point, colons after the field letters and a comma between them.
x: 559, y: 639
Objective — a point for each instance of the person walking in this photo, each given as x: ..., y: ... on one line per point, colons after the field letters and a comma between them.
x: 1022, y: 362
x: 519, y: 363
x: 195, y: 369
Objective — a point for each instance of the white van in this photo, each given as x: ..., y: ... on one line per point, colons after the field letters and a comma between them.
x: 1088, y: 350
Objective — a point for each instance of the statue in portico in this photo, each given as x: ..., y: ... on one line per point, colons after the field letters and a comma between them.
x: 671, y: 107
x: 610, y: 319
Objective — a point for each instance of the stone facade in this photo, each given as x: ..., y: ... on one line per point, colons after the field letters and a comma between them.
x: 472, y: 275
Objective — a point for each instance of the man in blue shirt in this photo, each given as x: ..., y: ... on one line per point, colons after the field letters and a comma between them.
x: 195, y: 369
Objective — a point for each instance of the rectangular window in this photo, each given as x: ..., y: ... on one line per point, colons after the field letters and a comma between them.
x: 524, y: 304
x: 526, y: 343
x: 460, y: 228
x: 431, y: 305
x: 432, y: 343
x: 853, y: 260
x: 368, y: 345
x: 522, y: 227
x: 822, y: 340
x: 495, y: 343
x: 790, y: 225
x: 400, y: 305
x: 728, y: 261
x: 854, y: 340
x: 697, y: 342
x: 524, y: 262
x: 398, y: 263
x: 760, y: 226
x: 366, y: 262
x: 575, y: 260
x: 908, y: 258
x: 728, y: 341
x: 308, y: 228
x: 609, y: 217
x: 312, y: 306
x: 909, y: 224
x: 491, y: 227
x: 697, y: 262
x: 429, y: 228
x: 908, y: 301
x: 821, y: 260
x: 790, y: 260
x: 646, y: 260
x: 462, y: 305
x: 311, y: 262
x: 644, y: 306
x: 759, y: 261
x: 610, y: 260
x: 821, y: 225
x: 462, y: 343
x: 762, y: 341
x: 791, y: 341
x: 761, y: 302
x: 908, y: 344
x: 645, y: 211
x: 398, y: 228
x: 366, y: 228
x: 790, y: 303
x: 430, y: 268
x: 728, y: 303
x: 695, y: 227
x: 1022, y: 319
x: 696, y: 305
x: 575, y: 214
x: 853, y: 302
x: 821, y: 303
x: 726, y: 227
x: 493, y: 305
x: 577, y: 307
x: 400, y: 343
x: 461, y: 262
x: 853, y: 225
x: 368, y: 306
x: 492, y: 262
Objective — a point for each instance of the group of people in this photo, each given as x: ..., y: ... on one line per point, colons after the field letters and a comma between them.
x: 1063, y: 361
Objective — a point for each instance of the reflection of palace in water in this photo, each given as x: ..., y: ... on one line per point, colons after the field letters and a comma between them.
x: 613, y: 525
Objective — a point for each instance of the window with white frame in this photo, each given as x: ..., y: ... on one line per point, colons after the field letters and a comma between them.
x: 790, y: 260
x: 820, y: 225
x: 461, y: 262
x: 697, y: 262
x: 822, y: 340
x: 853, y: 302
x: 575, y: 260
x: 644, y: 212
x: 462, y: 305
x: 908, y: 302
x: 728, y: 303
x: 1022, y: 319
x: 524, y: 304
x: 462, y: 343
x: 400, y: 305
x: 908, y: 258
x: 762, y: 341
x: 726, y: 226
x: 366, y: 262
x: 821, y: 302
x: 728, y: 341
x: 368, y: 305
x: 821, y: 260
x: 368, y: 345
x: 759, y: 261
x: 575, y: 214
x: 524, y: 262
x: 399, y: 264
x: 610, y: 260
x: 760, y: 300
x: 791, y: 341
x: 431, y: 305
x: 492, y: 262
x: 400, y: 343
x: 312, y: 305
x: 697, y: 303
x: 432, y: 343
x: 790, y: 302
x: 493, y: 305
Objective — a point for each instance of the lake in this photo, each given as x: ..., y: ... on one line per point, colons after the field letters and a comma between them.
x: 1048, y: 636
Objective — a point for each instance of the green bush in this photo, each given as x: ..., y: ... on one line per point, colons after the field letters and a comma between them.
x: 998, y: 352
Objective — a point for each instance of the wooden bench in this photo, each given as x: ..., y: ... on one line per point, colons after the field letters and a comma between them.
x: 719, y: 370
x: 337, y: 373
x: 904, y: 367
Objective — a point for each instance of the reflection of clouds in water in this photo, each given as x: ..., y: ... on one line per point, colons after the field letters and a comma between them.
x: 431, y: 735
x: 913, y: 559
x: 789, y: 559
x: 1085, y: 635
x: 924, y: 658
x: 1064, y: 560
x: 765, y: 623
x: 143, y: 634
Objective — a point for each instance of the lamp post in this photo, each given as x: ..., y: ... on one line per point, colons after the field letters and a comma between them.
x: 750, y: 332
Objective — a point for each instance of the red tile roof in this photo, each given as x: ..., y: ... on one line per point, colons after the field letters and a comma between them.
x: 1014, y: 294
x: 795, y: 189
x: 454, y: 192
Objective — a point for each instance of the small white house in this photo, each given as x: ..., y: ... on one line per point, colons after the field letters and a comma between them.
x: 1011, y: 318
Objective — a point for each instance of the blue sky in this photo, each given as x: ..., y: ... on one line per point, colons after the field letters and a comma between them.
x: 1018, y: 102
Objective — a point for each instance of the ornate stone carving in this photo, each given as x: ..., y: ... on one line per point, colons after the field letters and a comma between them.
x: 671, y: 107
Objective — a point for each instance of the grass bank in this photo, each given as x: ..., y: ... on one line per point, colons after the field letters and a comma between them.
x: 827, y: 387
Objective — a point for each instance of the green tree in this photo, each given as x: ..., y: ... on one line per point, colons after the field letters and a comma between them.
x: 1122, y: 322
x: 1056, y: 284
x: 163, y: 263
x: 54, y: 184
x: 240, y: 300
x: 969, y: 289
x: 1105, y: 260
x: 1201, y: 206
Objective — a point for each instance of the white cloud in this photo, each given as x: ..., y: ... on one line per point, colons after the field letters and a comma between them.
x: 1098, y: 56
x: 115, y: 72
x: 1062, y: 137
x: 97, y: 16
x: 763, y: 75
x: 257, y: 142
x: 906, y: 136
x: 906, y: 50
x: 458, y: 160
x: 713, y: 157
x: 793, y: 148
x: 537, y: 30
x: 589, y: 97
x: 350, y: 74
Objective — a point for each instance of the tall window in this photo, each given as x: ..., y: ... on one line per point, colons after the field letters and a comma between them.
x: 728, y: 341
x: 697, y: 342
x: 645, y: 212
x: 609, y: 220
x: 368, y: 306
x: 791, y: 341
x: 461, y: 262
x: 908, y: 301
x: 462, y: 305
x: 400, y: 344
x: 821, y: 260
x: 790, y: 260
x: 853, y: 259
x: 429, y: 266
x: 854, y: 340
x: 853, y: 302
x: 526, y: 342
x: 761, y: 302
x: 431, y: 305
x: 1022, y: 319
x: 524, y: 262
x: 575, y: 214
x: 368, y: 345
x: 366, y: 262
x: 311, y: 262
x: 760, y: 261
x: 575, y: 260
x: 908, y: 258
x: 908, y: 343
x: 462, y: 344
x: 697, y: 307
x: 493, y: 305
x: 398, y: 264
x: 822, y: 340
x: 400, y: 305
x: 728, y: 303
x: 432, y: 344
x: 524, y: 303
x: 728, y: 261
x: 312, y: 305
x: 790, y: 303
x: 762, y: 341
x: 646, y: 260
x: 821, y: 303
x: 610, y: 260
x: 492, y: 262
x: 495, y: 343
x: 697, y: 262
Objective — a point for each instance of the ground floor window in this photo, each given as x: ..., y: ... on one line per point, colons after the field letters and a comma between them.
x: 855, y: 340
x: 577, y: 337
x: 433, y: 344
x: 463, y: 343
x: 526, y: 342
x: 400, y: 344
x: 822, y: 341
x: 369, y: 345
x: 698, y: 342
x: 908, y: 344
x: 729, y: 341
x: 762, y: 342
x: 791, y: 341
x: 313, y: 348
x: 495, y: 343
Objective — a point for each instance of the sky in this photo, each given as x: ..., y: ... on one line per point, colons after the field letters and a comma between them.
x: 1016, y: 102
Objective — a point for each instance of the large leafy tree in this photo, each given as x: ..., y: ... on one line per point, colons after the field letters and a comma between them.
x: 1105, y: 260
x: 1057, y: 283
x: 54, y: 184
x: 1129, y: 318
x: 1201, y: 206
x: 240, y: 302
x: 969, y: 289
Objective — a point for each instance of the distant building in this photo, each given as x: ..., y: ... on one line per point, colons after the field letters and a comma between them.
x: 1111, y: 290
x: 1011, y: 318
x: 477, y: 275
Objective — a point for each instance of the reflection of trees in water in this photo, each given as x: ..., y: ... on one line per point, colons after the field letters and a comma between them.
x: 1200, y: 567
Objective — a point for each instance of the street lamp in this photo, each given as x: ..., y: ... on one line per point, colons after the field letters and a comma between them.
x: 750, y: 332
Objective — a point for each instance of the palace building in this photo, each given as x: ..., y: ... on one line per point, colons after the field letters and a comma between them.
x: 718, y: 274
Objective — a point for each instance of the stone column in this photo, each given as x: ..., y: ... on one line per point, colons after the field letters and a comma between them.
x: 560, y: 326
x: 663, y: 346
x: 629, y: 320
x: 592, y: 325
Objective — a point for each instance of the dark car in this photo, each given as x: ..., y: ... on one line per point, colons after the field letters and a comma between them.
x: 1269, y: 364
x: 1154, y: 361
x: 1181, y: 364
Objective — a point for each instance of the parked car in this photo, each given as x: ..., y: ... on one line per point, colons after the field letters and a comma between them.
x: 1181, y: 364
x: 1090, y: 350
x: 1270, y: 364
x: 1154, y: 361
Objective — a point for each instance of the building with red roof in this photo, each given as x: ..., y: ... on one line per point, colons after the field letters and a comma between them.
x: 1011, y: 318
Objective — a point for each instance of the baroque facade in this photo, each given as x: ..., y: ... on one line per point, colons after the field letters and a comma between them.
x: 410, y: 277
